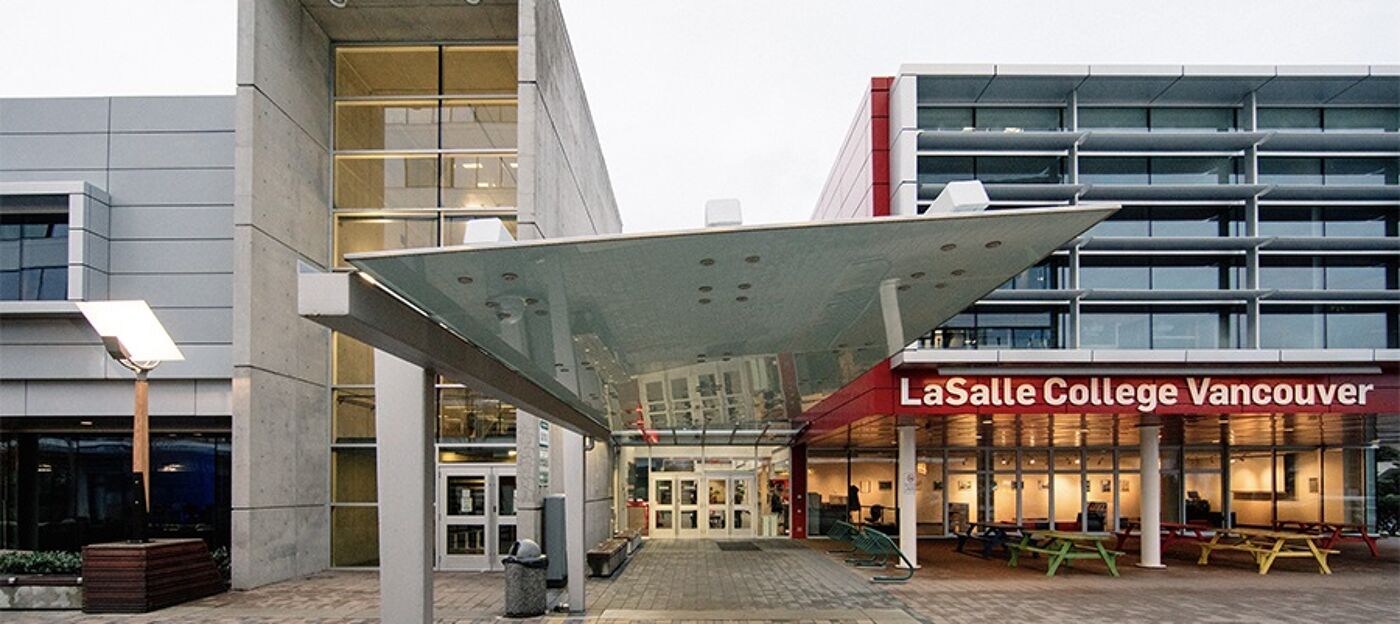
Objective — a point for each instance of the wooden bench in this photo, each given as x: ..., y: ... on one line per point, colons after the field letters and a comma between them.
x: 990, y: 535
x: 1062, y: 547
x: 1268, y: 546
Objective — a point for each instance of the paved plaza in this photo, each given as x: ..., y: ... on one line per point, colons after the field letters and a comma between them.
x: 684, y: 581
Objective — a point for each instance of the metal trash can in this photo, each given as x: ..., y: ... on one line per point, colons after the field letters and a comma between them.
x: 525, y: 580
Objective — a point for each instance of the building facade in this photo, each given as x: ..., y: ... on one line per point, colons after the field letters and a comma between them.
x: 1256, y: 247
x: 353, y: 129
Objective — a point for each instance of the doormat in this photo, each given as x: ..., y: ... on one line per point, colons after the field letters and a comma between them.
x: 736, y: 546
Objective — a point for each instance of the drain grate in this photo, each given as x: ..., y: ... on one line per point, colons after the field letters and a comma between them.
x: 736, y: 546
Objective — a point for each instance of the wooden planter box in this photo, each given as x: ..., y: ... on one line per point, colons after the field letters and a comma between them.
x: 34, y: 592
x: 136, y: 578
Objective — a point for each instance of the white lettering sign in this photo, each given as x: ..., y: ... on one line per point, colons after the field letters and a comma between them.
x: 1142, y: 396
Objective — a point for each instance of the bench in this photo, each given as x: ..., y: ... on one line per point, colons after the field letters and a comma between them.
x: 990, y: 536
x: 1268, y: 546
x: 608, y: 557
x: 880, y: 551
x: 1062, y: 548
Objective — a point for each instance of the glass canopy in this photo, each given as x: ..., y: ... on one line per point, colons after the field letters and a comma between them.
x: 724, y: 330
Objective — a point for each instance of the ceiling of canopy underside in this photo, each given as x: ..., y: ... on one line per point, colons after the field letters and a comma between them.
x: 723, y: 327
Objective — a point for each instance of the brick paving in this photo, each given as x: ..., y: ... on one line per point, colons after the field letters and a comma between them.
x: 695, y: 581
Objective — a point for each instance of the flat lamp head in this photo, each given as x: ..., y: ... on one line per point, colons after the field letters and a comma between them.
x: 135, y: 330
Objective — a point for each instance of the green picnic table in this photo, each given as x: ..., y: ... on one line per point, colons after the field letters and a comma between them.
x: 1061, y: 547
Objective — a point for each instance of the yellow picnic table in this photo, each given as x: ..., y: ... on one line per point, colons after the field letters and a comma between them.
x: 1063, y: 546
x: 1267, y: 546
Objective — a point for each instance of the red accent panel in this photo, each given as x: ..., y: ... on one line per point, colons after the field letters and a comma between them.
x: 880, y: 144
x: 799, y: 492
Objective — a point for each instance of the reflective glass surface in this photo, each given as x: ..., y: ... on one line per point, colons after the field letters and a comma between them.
x: 721, y: 325
x: 33, y: 256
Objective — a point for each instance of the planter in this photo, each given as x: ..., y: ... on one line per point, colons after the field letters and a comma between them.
x: 34, y: 592
x: 136, y: 578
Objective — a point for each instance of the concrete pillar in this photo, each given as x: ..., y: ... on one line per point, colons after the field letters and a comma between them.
x: 574, y: 494
x: 908, y: 496
x: 1150, y: 472
x: 403, y: 416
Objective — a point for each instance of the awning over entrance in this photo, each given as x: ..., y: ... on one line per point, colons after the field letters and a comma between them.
x: 723, y: 333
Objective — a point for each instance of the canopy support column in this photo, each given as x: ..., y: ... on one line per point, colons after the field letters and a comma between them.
x: 575, y: 514
x: 908, y: 496
x: 403, y: 394
x: 1150, y: 473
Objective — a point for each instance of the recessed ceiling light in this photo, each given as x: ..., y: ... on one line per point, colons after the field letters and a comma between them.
x: 509, y: 277
x: 465, y: 279
x: 751, y: 259
x: 940, y: 285
x: 707, y: 262
x: 503, y: 315
x: 741, y: 298
x: 85, y: 423
x: 992, y: 244
x: 916, y: 275
x: 959, y: 271
x: 745, y: 286
x: 531, y: 301
x: 706, y: 288
x: 903, y: 287
x: 541, y: 312
x: 948, y: 247
x: 704, y: 301
x: 492, y: 304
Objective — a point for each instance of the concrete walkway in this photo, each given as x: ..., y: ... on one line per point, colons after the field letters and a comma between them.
x: 684, y: 581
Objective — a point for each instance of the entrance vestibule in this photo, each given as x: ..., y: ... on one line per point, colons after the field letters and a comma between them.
x: 476, y: 522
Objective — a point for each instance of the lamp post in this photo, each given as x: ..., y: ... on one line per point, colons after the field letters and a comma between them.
x: 134, y: 337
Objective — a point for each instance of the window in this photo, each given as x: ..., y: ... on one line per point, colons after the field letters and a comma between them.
x: 1047, y: 275
x: 1158, y: 119
x: 999, y: 328
x: 1019, y: 118
x: 941, y: 118
x: 1329, y: 327
x: 1161, y: 328
x: 1160, y: 273
x: 1339, y: 221
x: 1166, y: 221
x: 1359, y: 273
x: 1159, y: 170
x: 1363, y: 119
x: 34, y: 255
x: 1113, y: 118
x: 991, y: 169
x: 1289, y: 119
x: 1359, y: 171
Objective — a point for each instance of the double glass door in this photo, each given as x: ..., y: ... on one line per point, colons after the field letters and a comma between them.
x: 702, y: 505
x: 476, y: 522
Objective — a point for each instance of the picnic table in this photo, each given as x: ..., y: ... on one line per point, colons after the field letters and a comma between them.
x: 1172, y: 532
x: 991, y: 535
x: 1063, y: 547
x: 1267, y: 546
x: 1333, y: 533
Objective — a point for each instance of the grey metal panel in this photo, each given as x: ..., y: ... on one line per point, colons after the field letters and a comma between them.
x: 1170, y: 243
x: 185, y: 222
x: 201, y: 362
x: 1389, y: 192
x: 12, y: 398
x: 1379, y: 296
x: 24, y: 115
x: 107, y: 398
x: 1214, y: 85
x: 1312, y: 89
x: 45, y: 330
x: 1047, y: 355
x: 1016, y: 88
x: 1126, y: 84
x: 172, y: 150
x: 213, y: 397
x: 171, y: 186
x: 95, y: 177
x: 53, y: 362
x: 1109, y: 141
x: 1326, y: 355
x: 182, y: 113
x: 953, y: 88
x: 172, y: 256
x: 198, y: 325
x: 1232, y: 355
x: 1139, y: 355
x: 53, y: 151
x: 195, y: 290
x: 1332, y: 141
x: 1317, y: 244
x: 994, y: 140
x: 1172, y: 192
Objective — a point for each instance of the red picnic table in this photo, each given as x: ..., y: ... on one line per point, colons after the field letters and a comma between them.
x: 1172, y: 532
x: 1333, y: 532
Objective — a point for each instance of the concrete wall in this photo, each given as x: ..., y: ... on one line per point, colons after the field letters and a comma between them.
x: 564, y: 190
x: 150, y: 186
x: 281, y: 442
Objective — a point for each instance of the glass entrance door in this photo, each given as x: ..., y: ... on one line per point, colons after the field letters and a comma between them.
x: 742, y: 500
x: 663, y: 507
x: 476, y: 517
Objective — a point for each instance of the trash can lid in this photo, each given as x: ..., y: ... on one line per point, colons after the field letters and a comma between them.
x: 526, y: 550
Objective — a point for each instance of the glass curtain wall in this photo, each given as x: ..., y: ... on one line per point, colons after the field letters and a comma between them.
x: 425, y: 140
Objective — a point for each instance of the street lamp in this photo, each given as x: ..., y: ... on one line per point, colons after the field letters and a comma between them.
x: 134, y: 337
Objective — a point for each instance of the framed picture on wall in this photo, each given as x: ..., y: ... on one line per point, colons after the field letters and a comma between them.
x: 1123, y: 486
x: 1106, y: 485
x: 937, y: 485
x: 1044, y: 485
x: 865, y: 487
x: 964, y: 484
x: 1312, y: 485
x: 886, y: 486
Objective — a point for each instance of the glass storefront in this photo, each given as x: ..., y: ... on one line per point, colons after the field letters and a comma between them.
x: 425, y: 142
x: 1091, y: 486
x: 61, y: 491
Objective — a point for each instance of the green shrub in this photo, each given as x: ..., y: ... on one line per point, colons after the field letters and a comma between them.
x: 41, y: 562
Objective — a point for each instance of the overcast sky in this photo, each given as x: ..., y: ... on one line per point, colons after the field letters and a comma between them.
x: 724, y: 98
